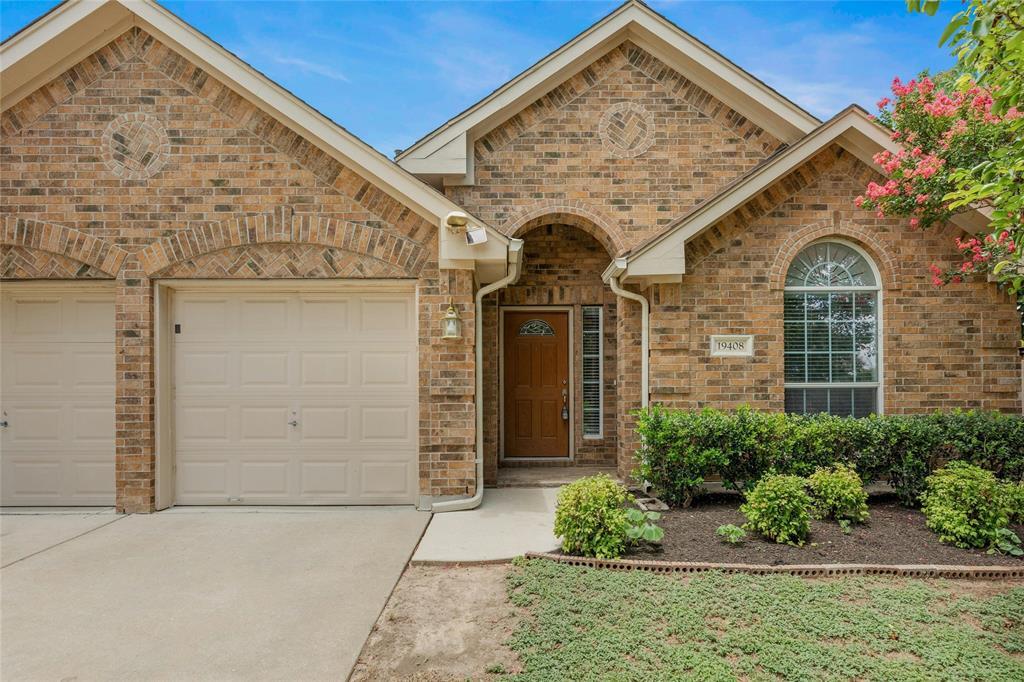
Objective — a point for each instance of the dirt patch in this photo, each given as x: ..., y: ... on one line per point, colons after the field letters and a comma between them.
x: 442, y: 623
x: 893, y: 535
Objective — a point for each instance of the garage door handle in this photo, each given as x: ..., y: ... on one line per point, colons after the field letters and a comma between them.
x: 293, y: 423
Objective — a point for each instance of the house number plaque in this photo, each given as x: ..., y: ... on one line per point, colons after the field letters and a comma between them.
x: 732, y: 345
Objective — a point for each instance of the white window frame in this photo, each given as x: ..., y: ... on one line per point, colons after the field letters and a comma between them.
x: 600, y: 374
x: 879, y: 336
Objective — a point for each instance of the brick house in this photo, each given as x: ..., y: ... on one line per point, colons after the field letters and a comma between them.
x: 213, y: 295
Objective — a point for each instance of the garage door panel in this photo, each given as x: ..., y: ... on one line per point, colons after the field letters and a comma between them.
x: 320, y: 315
x: 261, y: 424
x: 37, y: 316
x: 385, y: 478
x: 33, y: 369
x: 386, y: 424
x: 307, y: 358
x: 57, y: 390
x: 265, y: 479
x: 91, y: 369
x: 264, y: 369
x: 327, y: 423
x: 263, y: 315
x: 202, y: 368
x: 325, y: 369
x: 386, y: 314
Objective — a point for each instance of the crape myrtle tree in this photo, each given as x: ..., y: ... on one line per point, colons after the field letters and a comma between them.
x: 961, y: 136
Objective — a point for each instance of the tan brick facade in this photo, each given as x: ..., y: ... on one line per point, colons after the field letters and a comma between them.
x: 554, y: 164
x: 138, y: 166
x: 210, y: 187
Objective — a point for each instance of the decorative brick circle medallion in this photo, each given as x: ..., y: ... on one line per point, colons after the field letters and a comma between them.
x: 135, y: 146
x: 627, y: 129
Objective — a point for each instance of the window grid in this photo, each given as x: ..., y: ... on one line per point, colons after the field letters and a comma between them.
x: 592, y: 371
x: 835, y: 326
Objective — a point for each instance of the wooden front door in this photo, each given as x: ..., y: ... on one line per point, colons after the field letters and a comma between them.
x: 536, y: 384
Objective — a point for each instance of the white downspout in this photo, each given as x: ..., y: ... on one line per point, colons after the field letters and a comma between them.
x: 612, y: 277
x: 515, y: 261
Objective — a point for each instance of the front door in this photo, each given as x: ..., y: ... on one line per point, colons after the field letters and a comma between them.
x: 536, y: 384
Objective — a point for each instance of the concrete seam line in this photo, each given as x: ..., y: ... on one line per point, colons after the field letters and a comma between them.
x: 74, y: 537
x: 803, y: 570
x: 391, y: 592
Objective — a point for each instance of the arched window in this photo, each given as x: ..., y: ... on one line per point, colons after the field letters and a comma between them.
x: 832, y: 349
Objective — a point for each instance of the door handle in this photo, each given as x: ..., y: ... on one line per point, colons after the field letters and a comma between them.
x: 293, y: 423
x: 3, y: 424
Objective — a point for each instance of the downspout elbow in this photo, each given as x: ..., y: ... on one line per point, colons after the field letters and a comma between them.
x: 612, y: 278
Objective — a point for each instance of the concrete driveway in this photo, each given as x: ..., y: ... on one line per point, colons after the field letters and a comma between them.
x: 197, y: 594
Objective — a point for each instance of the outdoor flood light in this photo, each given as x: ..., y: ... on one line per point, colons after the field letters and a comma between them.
x: 451, y: 323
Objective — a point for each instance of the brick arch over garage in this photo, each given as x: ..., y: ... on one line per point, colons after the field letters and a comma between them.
x: 888, y: 265
x: 282, y: 226
x: 576, y: 213
x: 93, y: 252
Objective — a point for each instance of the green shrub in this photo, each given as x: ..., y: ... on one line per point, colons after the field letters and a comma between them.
x: 1015, y: 495
x: 838, y: 493
x: 734, y: 535
x: 966, y: 505
x: 681, y: 449
x: 779, y: 508
x: 591, y: 517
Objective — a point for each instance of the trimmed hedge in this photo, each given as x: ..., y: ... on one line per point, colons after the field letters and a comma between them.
x: 680, y: 449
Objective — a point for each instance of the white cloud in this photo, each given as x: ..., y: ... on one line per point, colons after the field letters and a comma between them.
x: 309, y: 67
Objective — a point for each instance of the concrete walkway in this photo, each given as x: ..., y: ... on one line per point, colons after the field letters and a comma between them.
x: 510, y: 521
x: 198, y: 595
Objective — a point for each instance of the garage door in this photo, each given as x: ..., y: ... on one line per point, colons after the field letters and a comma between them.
x: 295, y: 398
x: 57, y: 396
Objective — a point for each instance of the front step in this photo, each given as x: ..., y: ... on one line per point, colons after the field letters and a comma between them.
x: 547, y: 477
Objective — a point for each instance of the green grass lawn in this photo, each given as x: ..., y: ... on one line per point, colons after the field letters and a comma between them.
x: 586, y: 624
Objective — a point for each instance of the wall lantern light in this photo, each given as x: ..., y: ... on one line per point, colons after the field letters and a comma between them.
x: 451, y: 323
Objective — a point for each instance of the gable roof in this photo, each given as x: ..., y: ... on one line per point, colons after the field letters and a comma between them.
x: 447, y: 151
x: 664, y: 255
x: 76, y: 29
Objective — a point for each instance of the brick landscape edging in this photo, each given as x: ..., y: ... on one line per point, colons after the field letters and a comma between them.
x: 802, y: 570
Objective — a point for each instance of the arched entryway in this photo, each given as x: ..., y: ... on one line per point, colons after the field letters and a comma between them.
x: 550, y: 365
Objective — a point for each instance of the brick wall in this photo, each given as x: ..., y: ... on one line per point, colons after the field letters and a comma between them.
x: 943, y: 348
x: 630, y: 170
x: 136, y: 165
x: 562, y: 267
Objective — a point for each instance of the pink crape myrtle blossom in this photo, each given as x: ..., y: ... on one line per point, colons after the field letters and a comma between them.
x: 940, y: 128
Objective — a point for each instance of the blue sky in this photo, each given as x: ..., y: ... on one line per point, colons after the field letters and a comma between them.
x: 391, y: 72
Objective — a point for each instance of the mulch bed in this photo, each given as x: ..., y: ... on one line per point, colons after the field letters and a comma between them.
x: 893, y: 535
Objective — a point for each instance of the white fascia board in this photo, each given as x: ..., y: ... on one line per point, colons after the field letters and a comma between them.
x: 741, y: 91
x: 299, y: 116
x: 54, y: 43
x: 851, y: 129
x: 88, y: 25
x: 666, y: 254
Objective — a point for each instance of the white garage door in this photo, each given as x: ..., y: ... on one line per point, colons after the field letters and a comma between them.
x: 295, y: 398
x: 57, y: 395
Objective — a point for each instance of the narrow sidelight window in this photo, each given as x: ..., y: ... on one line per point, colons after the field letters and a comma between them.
x: 592, y: 349
x: 832, y: 350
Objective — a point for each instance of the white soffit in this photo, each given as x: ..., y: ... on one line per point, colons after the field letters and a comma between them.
x: 852, y: 129
x: 77, y: 28
x: 447, y: 150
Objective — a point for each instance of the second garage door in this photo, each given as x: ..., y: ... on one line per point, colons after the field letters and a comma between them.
x: 295, y: 398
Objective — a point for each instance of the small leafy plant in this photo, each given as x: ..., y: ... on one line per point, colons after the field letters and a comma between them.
x: 967, y: 506
x: 734, y: 535
x: 839, y: 494
x: 641, y: 526
x: 1006, y: 542
x: 591, y: 517
x: 779, y: 509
